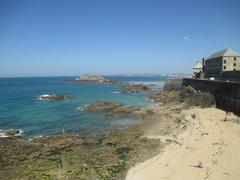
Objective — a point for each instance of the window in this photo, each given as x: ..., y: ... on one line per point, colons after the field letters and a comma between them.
x: 234, y: 69
x: 224, y: 61
x: 234, y: 64
x: 234, y: 58
x: 224, y: 67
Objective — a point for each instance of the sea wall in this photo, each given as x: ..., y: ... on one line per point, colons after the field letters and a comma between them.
x: 227, y: 94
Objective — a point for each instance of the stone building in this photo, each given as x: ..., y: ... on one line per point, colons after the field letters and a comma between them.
x: 198, y: 70
x: 223, y: 65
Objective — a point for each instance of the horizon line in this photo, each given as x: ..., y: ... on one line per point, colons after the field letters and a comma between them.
x: 124, y: 74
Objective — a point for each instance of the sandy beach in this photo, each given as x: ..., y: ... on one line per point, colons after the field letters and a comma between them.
x: 207, y: 149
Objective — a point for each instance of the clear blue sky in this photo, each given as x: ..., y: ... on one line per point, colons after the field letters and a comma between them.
x: 56, y: 37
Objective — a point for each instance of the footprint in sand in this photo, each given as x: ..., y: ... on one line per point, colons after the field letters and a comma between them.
x: 214, y: 161
x: 208, y: 172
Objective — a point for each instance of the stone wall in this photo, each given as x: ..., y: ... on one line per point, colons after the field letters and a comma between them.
x: 227, y: 94
x: 231, y: 76
x: 229, y: 63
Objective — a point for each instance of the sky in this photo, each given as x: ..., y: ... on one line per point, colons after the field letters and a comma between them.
x: 73, y: 37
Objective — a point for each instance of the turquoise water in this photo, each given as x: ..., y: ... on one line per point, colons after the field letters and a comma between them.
x: 20, y: 108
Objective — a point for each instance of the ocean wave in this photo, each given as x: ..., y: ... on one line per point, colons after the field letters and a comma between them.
x: 83, y: 107
x: 3, y: 135
x: 39, y: 136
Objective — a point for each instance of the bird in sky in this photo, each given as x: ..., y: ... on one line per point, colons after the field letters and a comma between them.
x: 187, y: 38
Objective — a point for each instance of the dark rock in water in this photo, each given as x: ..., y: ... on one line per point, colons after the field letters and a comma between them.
x: 55, y: 97
x: 135, y: 88
x: 110, y: 108
x: 102, y: 106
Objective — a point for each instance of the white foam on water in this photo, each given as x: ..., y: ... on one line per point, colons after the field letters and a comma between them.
x: 82, y: 108
x: 39, y: 136
x: 41, y: 97
x: 3, y: 135
x: 116, y: 92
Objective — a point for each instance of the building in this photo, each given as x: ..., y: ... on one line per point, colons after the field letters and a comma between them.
x: 198, y: 70
x: 223, y: 65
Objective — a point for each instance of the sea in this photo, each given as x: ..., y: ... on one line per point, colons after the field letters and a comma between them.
x: 21, y: 109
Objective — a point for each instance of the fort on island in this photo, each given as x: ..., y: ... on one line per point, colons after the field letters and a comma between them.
x: 223, y: 65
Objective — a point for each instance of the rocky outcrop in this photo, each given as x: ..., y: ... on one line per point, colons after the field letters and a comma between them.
x: 193, y: 97
x: 135, y: 88
x: 187, y: 95
x: 164, y: 96
x: 10, y: 133
x: 54, y: 97
x: 72, y: 157
x: 97, y: 78
x: 109, y: 108
x: 91, y: 79
x: 173, y: 84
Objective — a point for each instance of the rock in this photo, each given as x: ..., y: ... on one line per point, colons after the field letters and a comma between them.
x: 10, y: 133
x: 74, y: 157
x: 13, y: 132
x: 135, y: 88
x: 193, y: 97
x: 173, y: 84
x: 54, y: 97
x: 90, y: 77
x: 124, y: 110
x: 193, y: 116
x: 102, y: 106
x: 149, y: 112
x: 110, y: 108
x: 96, y: 78
x: 164, y: 96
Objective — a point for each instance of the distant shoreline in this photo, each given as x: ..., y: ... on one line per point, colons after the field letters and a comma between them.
x: 105, y: 75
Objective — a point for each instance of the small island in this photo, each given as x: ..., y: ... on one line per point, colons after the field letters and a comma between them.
x: 90, y: 78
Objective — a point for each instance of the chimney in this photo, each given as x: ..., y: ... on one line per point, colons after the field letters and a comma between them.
x: 203, y: 64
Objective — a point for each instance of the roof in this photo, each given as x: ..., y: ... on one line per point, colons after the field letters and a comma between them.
x: 198, y: 65
x: 225, y: 52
